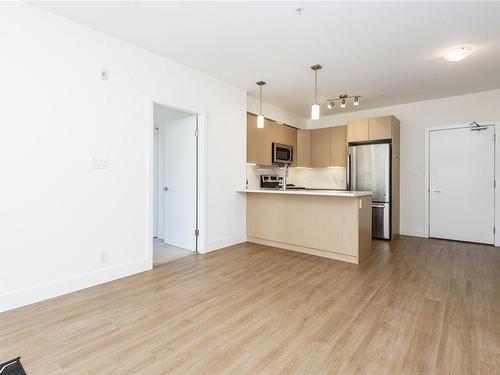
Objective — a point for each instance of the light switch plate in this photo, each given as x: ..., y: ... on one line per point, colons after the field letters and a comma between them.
x: 99, y: 163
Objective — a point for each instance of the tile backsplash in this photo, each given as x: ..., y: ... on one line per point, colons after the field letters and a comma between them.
x: 315, y: 178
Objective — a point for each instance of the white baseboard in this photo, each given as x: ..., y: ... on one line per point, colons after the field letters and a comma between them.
x: 57, y: 288
x: 225, y: 242
x: 415, y: 232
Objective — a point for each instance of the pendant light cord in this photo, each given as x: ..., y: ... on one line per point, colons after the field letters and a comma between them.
x: 260, y: 101
x: 315, y: 86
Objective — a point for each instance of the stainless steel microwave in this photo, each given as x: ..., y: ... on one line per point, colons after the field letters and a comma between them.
x: 282, y: 154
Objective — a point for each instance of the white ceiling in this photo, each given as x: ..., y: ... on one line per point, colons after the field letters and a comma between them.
x: 388, y: 52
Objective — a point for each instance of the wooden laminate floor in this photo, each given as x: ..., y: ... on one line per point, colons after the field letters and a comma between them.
x: 417, y: 306
x: 163, y: 252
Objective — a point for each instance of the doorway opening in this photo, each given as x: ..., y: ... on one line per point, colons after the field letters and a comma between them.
x: 461, y: 183
x: 175, y: 183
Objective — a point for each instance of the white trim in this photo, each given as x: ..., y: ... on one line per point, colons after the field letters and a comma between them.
x: 414, y: 232
x: 225, y: 242
x: 427, y: 172
x: 37, y: 293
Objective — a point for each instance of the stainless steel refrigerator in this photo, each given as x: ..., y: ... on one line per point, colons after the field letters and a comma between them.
x: 369, y: 168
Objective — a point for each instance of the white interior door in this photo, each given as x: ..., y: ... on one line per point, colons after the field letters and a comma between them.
x: 179, y: 189
x: 462, y: 192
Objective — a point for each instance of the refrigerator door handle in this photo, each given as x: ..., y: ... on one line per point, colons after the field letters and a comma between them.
x: 349, y: 162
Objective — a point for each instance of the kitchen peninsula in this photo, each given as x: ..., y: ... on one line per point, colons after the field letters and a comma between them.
x: 327, y: 223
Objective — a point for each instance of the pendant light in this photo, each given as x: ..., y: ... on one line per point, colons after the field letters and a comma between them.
x: 260, y: 117
x: 315, y: 106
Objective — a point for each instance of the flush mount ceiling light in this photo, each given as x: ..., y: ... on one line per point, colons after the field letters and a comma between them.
x: 457, y: 53
x: 343, y: 100
x: 260, y: 117
x: 315, y: 106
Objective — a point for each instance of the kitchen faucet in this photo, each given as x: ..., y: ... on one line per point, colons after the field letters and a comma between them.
x: 285, y: 177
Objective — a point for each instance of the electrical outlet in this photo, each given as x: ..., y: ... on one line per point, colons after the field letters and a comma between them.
x: 104, y: 256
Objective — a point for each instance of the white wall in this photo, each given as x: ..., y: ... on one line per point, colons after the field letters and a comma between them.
x: 276, y: 113
x: 415, y: 119
x: 57, y: 214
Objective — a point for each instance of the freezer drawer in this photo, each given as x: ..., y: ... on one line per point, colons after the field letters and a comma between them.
x: 381, y: 221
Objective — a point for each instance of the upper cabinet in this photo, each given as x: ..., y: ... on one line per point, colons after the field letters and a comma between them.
x: 320, y: 147
x: 252, y: 138
x: 338, y: 148
x: 372, y: 129
x: 259, y: 141
x: 382, y: 127
x: 328, y: 147
x: 303, y: 152
x: 317, y: 148
x: 357, y: 130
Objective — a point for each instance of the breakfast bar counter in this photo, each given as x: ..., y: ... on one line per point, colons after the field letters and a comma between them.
x: 328, y: 223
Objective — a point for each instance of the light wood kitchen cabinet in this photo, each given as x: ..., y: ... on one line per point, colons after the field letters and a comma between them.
x: 338, y: 146
x: 284, y: 134
x: 380, y: 127
x: 303, y: 151
x: 252, y: 138
x: 371, y: 129
x: 320, y: 147
x: 358, y: 130
x: 258, y: 141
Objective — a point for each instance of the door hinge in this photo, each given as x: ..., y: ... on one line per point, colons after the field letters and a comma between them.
x: 196, y: 133
x: 494, y: 230
x: 495, y: 183
x: 197, y: 232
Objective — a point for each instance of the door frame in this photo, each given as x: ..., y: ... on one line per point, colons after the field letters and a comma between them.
x: 201, y: 164
x: 496, y: 173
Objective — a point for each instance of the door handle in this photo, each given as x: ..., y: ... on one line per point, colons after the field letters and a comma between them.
x: 165, y: 188
x: 436, y: 191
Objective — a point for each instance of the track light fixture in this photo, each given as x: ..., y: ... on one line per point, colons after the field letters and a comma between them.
x: 343, y: 100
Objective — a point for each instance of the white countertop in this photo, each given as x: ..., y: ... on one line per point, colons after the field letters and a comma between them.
x: 331, y: 193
